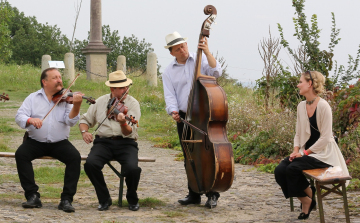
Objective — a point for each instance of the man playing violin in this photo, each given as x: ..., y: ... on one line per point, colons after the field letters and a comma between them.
x: 177, y: 82
x: 48, y: 137
x: 115, y: 139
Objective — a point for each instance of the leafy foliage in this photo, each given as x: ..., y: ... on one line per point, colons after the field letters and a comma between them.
x: 5, y: 15
x: 285, y: 84
x: 248, y: 150
x: 31, y: 40
x: 132, y: 48
x: 308, y: 35
x: 346, y: 106
x: 309, y: 56
x: 343, y: 76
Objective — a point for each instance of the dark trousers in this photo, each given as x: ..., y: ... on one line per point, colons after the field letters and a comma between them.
x: 64, y: 151
x: 290, y: 177
x: 125, y: 151
x: 180, y: 129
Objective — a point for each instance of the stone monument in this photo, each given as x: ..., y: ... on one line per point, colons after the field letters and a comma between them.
x: 96, y: 52
x: 151, y: 69
x: 45, y: 62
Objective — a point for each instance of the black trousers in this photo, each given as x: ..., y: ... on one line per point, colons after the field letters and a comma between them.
x: 180, y: 128
x: 64, y: 151
x: 290, y: 177
x: 125, y: 151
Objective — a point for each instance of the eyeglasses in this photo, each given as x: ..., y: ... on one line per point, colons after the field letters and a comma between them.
x: 312, y: 81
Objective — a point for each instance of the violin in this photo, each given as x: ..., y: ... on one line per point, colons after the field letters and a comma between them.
x: 120, y: 108
x: 5, y: 97
x: 68, y: 97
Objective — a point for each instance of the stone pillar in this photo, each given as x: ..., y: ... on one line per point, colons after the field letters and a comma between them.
x: 69, y: 71
x: 45, y: 62
x: 96, y: 52
x: 151, y: 69
x: 121, y: 63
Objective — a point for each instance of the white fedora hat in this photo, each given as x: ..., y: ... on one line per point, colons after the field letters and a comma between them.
x: 118, y: 79
x: 173, y: 39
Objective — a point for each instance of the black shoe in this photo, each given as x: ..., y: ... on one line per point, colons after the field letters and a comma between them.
x: 33, y: 202
x: 105, y: 206
x: 306, y: 216
x: 212, y: 201
x: 134, y: 207
x: 66, y: 206
x: 190, y: 200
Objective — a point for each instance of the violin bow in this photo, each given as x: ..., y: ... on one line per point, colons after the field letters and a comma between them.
x: 67, y: 89
x: 111, y: 110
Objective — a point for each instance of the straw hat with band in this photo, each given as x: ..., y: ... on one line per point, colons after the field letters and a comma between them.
x: 118, y: 79
x: 174, y: 39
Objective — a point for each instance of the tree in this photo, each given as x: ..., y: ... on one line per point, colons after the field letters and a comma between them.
x: 132, y: 48
x: 30, y: 40
x: 5, y: 15
x: 308, y: 35
x: 269, y: 54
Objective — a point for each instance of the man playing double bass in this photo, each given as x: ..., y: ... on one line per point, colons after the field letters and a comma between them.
x: 177, y: 81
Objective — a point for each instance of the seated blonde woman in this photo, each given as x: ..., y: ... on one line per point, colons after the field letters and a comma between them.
x: 314, y: 144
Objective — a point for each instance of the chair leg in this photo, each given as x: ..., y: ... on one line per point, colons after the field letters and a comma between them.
x: 319, y: 197
x: 291, y: 204
x: 346, y: 207
x: 121, y: 188
x: 312, y: 184
x: 121, y: 183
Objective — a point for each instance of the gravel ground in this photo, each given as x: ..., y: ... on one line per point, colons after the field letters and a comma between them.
x: 253, y: 197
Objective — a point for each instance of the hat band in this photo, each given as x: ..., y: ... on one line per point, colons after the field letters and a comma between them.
x: 175, y: 41
x: 120, y: 81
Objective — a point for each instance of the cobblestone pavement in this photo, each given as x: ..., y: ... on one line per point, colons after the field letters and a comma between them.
x: 253, y: 197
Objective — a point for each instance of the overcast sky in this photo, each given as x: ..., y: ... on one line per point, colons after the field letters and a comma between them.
x: 241, y: 25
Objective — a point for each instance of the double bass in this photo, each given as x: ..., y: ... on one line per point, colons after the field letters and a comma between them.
x: 209, y: 159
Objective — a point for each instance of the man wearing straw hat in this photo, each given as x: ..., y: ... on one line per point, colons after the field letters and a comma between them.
x: 177, y: 81
x: 115, y: 139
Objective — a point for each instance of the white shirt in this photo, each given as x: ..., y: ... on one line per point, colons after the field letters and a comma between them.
x: 97, y: 113
x: 177, y: 81
x: 55, y: 127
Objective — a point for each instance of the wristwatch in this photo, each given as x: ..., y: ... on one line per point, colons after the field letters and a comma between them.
x: 302, y: 153
x: 82, y: 131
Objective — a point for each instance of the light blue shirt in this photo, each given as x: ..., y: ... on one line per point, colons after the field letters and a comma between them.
x: 55, y: 127
x: 177, y: 81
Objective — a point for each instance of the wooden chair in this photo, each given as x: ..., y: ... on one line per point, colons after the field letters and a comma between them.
x: 322, y: 190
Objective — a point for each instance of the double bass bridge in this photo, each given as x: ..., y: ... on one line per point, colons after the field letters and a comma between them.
x: 192, y: 141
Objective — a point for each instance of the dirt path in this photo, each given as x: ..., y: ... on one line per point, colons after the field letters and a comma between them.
x: 253, y: 197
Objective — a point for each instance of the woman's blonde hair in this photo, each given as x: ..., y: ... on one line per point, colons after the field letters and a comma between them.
x: 318, y: 80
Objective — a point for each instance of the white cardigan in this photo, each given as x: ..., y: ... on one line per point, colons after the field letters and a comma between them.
x: 325, y: 148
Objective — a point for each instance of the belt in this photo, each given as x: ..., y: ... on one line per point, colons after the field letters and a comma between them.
x: 112, y: 137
